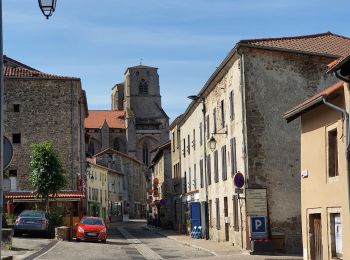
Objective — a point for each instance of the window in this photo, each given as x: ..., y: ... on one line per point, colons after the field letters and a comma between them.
x: 332, y: 153
x: 15, y: 107
x: 216, y: 167
x: 210, y: 213
x: 233, y: 156
x: 217, y: 213
x: 224, y: 164
x: 214, y: 120
x: 235, y: 213
x: 336, y: 235
x: 143, y: 87
x: 145, y: 153
x: 232, y: 111
x: 201, y: 173
x: 222, y: 114
x: 16, y: 138
x: 194, y: 140
x: 189, y: 179
x: 89, y: 193
x: 116, y: 145
x: 200, y: 134
x: 188, y: 144
x: 209, y: 169
x: 208, y: 127
x: 195, y: 177
x: 173, y: 141
x: 12, y: 173
x: 184, y: 147
x: 91, y: 149
x: 185, y: 183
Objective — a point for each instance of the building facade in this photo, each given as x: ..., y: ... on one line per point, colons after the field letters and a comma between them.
x: 243, y: 100
x: 163, y: 201
x: 43, y: 107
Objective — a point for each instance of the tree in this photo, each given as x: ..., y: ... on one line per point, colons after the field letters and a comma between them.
x: 47, y: 173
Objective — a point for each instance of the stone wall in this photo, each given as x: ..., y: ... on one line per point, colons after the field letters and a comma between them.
x: 49, y: 110
x: 275, y: 82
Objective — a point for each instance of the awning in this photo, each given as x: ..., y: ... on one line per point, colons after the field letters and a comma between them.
x: 31, y: 196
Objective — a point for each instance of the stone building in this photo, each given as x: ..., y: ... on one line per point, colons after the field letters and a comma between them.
x: 162, y: 185
x: 133, y: 196
x: 136, y: 124
x: 243, y: 102
x: 43, y: 107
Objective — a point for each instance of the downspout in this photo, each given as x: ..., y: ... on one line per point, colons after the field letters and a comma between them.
x: 244, y: 149
x: 346, y: 116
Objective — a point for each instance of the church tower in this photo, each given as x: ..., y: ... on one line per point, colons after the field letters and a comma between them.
x: 146, y: 122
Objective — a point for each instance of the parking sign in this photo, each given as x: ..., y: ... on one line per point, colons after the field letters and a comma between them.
x: 258, y: 227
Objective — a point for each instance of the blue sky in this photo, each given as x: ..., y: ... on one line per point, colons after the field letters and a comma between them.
x: 97, y: 40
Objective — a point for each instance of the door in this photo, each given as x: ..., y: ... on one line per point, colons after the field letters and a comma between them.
x: 315, y: 236
x: 195, y: 214
x: 227, y: 235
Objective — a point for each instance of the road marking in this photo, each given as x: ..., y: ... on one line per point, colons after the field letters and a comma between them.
x: 53, y: 243
x: 144, y: 250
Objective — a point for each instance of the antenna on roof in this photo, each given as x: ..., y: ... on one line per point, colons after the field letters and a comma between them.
x: 140, y: 61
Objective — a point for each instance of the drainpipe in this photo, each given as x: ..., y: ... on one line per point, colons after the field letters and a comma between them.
x: 346, y: 116
x: 245, y: 145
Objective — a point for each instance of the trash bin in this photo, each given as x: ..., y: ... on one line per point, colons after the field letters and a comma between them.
x: 63, y: 233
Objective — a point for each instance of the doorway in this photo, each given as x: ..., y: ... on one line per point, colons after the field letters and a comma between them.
x: 227, y: 235
x: 315, y: 236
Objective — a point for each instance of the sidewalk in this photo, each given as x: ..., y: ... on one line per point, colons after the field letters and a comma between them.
x: 222, y: 250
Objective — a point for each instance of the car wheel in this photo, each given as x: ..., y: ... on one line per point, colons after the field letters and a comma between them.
x: 78, y: 240
x: 104, y: 241
x: 16, y: 233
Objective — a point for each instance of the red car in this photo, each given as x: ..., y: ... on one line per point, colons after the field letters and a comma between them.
x: 91, y: 229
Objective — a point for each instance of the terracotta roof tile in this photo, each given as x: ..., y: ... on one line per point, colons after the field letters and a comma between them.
x: 312, y: 101
x: 20, y: 72
x: 32, y: 195
x: 113, y: 118
x: 323, y: 43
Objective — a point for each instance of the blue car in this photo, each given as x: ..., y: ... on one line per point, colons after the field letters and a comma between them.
x: 31, y: 221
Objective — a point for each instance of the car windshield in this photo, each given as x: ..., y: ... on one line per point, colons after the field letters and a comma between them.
x: 35, y: 214
x: 91, y: 221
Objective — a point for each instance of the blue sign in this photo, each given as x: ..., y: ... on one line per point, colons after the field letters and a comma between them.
x: 258, y: 227
x: 238, y: 180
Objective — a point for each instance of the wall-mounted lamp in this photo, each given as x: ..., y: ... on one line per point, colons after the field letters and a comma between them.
x: 212, y: 141
x: 89, y: 173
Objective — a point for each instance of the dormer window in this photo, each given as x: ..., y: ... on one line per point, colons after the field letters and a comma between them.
x: 143, y: 87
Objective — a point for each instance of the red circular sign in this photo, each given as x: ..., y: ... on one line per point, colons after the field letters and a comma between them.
x: 238, y: 180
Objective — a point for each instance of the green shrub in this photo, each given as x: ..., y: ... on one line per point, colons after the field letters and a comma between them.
x: 55, y: 217
x: 10, y: 219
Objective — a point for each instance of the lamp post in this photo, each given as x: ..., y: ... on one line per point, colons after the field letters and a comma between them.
x: 198, y: 98
x: 47, y: 7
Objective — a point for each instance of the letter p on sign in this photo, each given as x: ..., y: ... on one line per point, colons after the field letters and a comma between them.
x: 258, y: 224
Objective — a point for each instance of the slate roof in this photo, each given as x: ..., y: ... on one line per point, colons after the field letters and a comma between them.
x: 313, y: 101
x: 323, y: 44
x: 110, y: 150
x: 113, y: 118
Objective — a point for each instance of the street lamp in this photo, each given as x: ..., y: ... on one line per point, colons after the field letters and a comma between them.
x: 198, y: 98
x: 47, y: 7
x: 212, y: 141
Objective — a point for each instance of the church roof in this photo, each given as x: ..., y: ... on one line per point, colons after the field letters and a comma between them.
x: 142, y: 67
x: 113, y: 118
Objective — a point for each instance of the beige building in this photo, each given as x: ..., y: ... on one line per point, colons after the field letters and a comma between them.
x: 97, y: 190
x: 243, y: 99
x: 162, y: 186
x: 325, y: 168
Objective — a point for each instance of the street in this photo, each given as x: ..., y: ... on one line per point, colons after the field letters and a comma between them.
x: 133, y: 240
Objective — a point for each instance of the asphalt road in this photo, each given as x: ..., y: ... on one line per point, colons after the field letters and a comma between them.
x: 131, y: 241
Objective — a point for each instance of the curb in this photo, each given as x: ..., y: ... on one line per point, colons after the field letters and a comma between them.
x: 182, y: 242
x: 42, y: 251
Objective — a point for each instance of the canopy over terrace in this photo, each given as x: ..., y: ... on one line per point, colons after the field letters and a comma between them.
x: 70, y: 202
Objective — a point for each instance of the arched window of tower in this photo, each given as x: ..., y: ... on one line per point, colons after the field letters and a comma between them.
x: 143, y: 87
x: 145, y: 153
x: 116, y: 145
x: 91, y: 149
